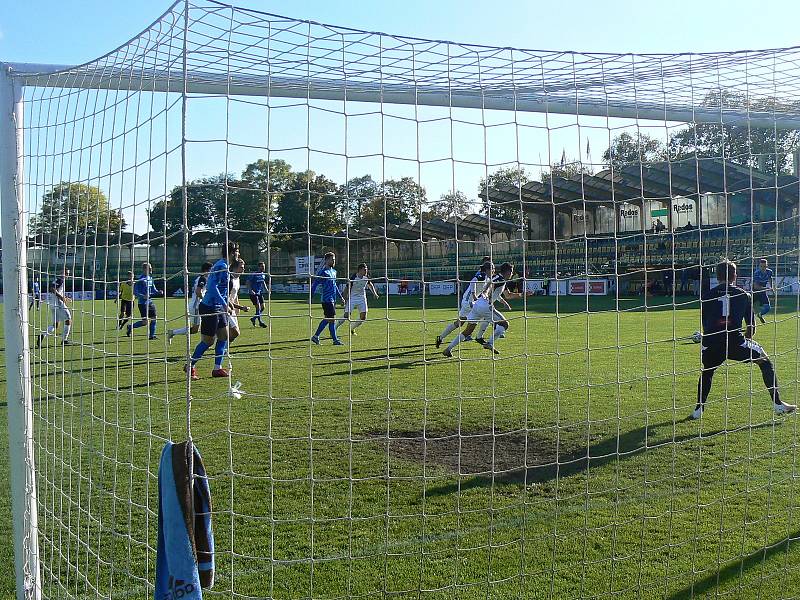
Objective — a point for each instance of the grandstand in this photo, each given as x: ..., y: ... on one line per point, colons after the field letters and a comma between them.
x: 603, y: 224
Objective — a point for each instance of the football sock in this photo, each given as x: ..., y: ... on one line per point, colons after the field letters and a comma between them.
x: 498, y: 332
x: 219, y: 353
x: 199, y: 350
x: 448, y: 330
x: 320, y: 327
x: 456, y: 341
x: 704, y: 386
x: 770, y: 380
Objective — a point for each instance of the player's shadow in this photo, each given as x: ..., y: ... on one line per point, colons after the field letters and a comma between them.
x: 509, y: 450
x: 735, y: 569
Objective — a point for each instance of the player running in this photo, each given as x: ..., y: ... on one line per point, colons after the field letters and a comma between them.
x: 258, y: 288
x: 36, y: 293
x: 233, y: 300
x: 125, y: 299
x: 763, y: 277
x: 198, y: 291
x: 476, y: 287
x: 58, y: 300
x: 145, y: 290
x: 357, y: 297
x: 723, y: 308
x: 326, y: 277
x: 214, y: 315
x: 483, y: 310
x: 499, y: 291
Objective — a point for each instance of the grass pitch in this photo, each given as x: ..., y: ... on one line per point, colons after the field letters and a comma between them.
x: 562, y: 468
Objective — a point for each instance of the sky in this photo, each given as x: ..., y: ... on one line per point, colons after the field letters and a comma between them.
x: 57, y: 32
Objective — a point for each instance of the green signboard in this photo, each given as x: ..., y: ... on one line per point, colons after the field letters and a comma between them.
x: 661, y: 212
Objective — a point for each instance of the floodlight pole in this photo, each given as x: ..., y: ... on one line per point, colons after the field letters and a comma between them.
x: 15, y: 319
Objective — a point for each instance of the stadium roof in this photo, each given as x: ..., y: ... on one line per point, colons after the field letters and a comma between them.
x: 656, y: 181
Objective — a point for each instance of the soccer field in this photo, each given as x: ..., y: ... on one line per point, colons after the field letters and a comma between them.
x: 565, y: 467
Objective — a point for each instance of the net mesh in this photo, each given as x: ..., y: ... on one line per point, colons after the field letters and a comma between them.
x: 564, y: 466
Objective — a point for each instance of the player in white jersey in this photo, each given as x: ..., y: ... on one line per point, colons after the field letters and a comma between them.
x: 57, y: 300
x: 237, y: 268
x: 476, y: 288
x: 483, y: 310
x: 357, y: 297
x: 198, y: 291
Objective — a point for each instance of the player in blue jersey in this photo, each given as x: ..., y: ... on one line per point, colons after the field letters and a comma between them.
x: 214, y: 312
x: 258, y: 289
x: 763, y: 277
x: 36, y: 293
x: 723, y: 309
x: 326, y: 278
x: 144, y: 290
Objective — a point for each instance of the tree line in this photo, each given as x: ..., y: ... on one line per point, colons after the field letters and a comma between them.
x: 269, y: 196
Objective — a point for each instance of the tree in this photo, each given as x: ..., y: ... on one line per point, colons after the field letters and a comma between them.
x: 627, y: 149
x: 565, y: 170
x: 357, y: 193
x: 76, y: 208
x: 203, y: 198
x: 509, y: 209
x: 268, y: 175
x: 762, y: 148
x: 451, y: 204
x: 310, y: 205
x: 398, y: 201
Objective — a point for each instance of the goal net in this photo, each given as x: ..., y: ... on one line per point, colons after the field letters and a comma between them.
x: 527, y: 428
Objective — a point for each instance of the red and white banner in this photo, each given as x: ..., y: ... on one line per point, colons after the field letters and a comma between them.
x: 592, y: 287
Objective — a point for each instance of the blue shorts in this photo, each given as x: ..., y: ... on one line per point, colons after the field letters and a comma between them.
x: 212, y: 319
x: 147, y: 310
x: 329, y: 310
x: 762, y: 297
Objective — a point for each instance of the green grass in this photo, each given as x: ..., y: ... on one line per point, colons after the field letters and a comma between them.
x: 563, y: 468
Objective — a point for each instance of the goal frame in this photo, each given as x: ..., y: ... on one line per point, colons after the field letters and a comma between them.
x: 14, y: 77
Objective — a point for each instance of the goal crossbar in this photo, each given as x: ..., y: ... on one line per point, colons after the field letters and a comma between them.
x: 502, y: 98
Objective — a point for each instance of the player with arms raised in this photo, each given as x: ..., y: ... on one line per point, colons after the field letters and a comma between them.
x: 763, y: 277
x: 476, y: 287
x: 198, y: 291
x: 357, y: 297
x: 723, y: 308
x: 326, y: 277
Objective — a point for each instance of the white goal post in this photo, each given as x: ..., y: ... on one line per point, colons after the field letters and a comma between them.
x: 605, y: 89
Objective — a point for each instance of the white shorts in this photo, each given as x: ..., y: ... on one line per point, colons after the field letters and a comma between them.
x: 194, y: 315
x: 60, y: 314
x: 356, y: 305
x: 233, y: 322
x: 481, y: 311
x: 464, y: 309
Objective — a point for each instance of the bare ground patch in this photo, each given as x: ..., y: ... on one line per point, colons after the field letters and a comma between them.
x: 509, y: 454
